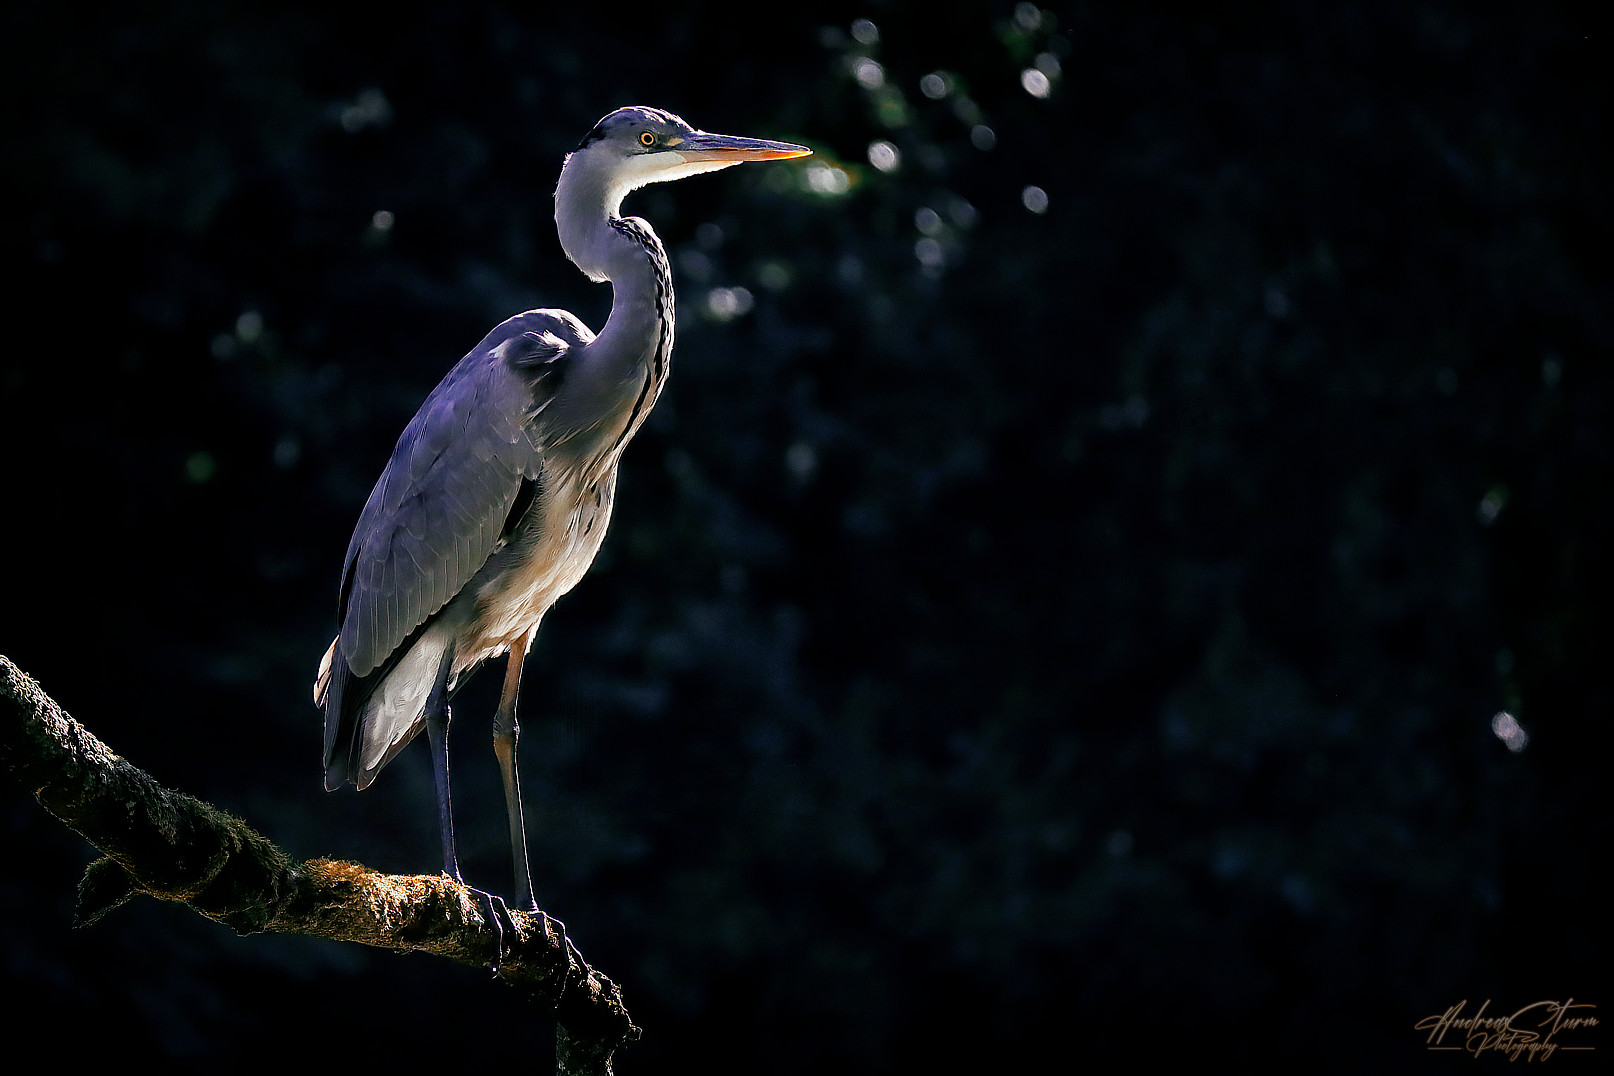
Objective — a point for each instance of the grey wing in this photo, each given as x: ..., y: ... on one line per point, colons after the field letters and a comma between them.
x: 438, y: 510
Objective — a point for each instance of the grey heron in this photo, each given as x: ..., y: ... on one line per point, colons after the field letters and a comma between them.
x: 497, y: 496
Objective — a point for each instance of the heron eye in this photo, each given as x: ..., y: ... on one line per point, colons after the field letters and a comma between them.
x: 646, y: 138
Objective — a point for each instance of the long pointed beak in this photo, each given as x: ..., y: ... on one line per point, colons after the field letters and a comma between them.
x: 732, y: 149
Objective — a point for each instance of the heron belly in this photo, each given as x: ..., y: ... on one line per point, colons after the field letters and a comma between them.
x: 546, y: 558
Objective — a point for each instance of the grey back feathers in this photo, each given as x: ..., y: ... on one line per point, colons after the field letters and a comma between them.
x: 442, y: 507
x: 436, y: 514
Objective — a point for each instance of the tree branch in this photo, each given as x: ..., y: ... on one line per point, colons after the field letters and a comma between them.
x: 171, y: 846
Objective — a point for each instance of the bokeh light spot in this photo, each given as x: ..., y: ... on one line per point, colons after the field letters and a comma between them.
x: 200, y: 467
x: 869, y: 74
x: 726, y: 304
x: 884, y: 156
x: 827, y: 179
x: 1507, y: 729
x: 249, y: 327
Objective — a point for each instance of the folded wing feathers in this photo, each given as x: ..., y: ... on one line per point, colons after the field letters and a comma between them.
x: 436, y: 513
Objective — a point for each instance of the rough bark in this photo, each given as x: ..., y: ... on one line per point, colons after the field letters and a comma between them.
x: 171, y: 846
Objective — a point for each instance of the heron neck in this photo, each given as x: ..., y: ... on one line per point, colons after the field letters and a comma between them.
x: 641, y: 289
x: 586, y: 204
x: 622, y: 371
x: 607, y: 246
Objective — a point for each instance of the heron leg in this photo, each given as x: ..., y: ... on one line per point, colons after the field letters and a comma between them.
x: 505, y: 735
x: 438, y: 716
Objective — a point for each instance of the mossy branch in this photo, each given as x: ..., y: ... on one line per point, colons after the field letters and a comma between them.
x: 171, y: 846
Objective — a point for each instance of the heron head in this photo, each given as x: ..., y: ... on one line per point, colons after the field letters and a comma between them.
x: 635, y: 146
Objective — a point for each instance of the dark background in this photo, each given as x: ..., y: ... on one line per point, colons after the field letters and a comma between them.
x: 1070, y: 633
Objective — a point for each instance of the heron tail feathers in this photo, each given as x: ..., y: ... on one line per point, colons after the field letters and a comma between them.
x: 369, y: 720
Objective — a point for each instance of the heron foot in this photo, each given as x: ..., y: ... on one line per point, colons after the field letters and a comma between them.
x: 498, y: 917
